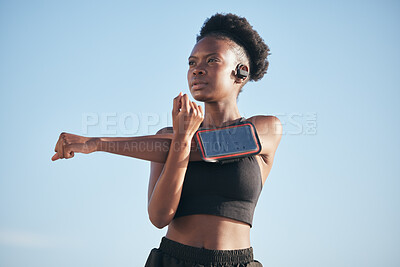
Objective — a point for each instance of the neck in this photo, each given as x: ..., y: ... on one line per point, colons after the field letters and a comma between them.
x: 219, y: 113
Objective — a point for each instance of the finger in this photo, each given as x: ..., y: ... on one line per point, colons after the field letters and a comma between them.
x: 70, y: 149
x: 185, y: 103
x: 63, y: 144
x: 193, y: 108
x: 201, y: 110
x: 68, y: 152
x: 60, y: 149
x: 55, y: 157
x: 61, y: 137
x: 177, y: 103
x: 57, y: 144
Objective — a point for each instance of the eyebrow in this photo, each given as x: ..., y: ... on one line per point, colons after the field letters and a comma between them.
x: 211, y: 54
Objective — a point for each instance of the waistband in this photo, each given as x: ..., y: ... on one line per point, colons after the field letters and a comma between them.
x: 202, y: 255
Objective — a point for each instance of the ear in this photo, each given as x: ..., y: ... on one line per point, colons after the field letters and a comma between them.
x: 242, y: 72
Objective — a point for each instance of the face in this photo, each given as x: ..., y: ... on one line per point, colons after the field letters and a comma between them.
x: 211, y: 74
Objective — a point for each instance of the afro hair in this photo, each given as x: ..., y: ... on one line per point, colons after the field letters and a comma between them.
x: 239, y: 30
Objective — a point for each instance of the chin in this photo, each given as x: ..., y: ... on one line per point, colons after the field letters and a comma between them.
x: 200, y: 96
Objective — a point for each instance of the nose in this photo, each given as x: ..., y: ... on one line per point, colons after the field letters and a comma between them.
x: 199, y: 71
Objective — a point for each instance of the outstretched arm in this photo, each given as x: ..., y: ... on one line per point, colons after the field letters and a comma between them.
x: 153, y: 148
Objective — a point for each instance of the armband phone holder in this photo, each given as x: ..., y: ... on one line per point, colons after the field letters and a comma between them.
x: 229, y: 142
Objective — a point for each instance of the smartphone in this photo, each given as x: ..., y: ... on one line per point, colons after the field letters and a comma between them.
x: 234, y: 141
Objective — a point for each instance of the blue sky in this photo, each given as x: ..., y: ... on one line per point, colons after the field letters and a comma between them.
x: 112, y: 68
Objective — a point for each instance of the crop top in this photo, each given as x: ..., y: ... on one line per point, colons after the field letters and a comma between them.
x: 228, y: 189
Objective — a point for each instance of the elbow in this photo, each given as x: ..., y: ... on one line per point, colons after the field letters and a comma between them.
x: 160, y: 220
x: 158, y: 223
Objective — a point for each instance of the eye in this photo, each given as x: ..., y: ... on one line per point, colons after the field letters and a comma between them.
x: 211, y: 60
x: 191, y: 62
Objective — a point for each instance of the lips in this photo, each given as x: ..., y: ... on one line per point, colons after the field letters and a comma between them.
x: 198, y: 84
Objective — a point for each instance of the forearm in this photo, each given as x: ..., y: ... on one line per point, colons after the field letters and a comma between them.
x: 166, y: 194
x: 151, y: 147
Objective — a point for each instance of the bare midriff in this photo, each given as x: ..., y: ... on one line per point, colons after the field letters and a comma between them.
x: 209, y: 232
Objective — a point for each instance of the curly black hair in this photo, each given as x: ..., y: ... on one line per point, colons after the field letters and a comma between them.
x: 239, y: 30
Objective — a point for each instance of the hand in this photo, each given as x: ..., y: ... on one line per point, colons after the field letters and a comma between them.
x: 68, y: 144
x: 186, y: 116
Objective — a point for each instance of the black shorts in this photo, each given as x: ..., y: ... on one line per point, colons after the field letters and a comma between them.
x: 174, y: 254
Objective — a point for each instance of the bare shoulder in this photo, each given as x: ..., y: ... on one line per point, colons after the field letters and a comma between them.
x: 269, y: 130
x: 266, y: 124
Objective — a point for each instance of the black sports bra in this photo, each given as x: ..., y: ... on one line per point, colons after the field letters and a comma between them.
x: 229, y: 189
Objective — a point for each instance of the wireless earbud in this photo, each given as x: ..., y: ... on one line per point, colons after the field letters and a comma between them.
x: 241, y: 73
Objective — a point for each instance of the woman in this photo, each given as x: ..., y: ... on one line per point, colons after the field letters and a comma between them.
x: 208, y: 207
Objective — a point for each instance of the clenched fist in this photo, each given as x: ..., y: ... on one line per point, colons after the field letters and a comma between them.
x: 68, y: 144
x: 186, y: 116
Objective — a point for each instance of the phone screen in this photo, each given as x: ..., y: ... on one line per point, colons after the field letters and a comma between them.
x: 234, y: 141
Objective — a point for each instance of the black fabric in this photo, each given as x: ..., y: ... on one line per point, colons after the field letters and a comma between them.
x: 229, y: 189
x: 174, y: 254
